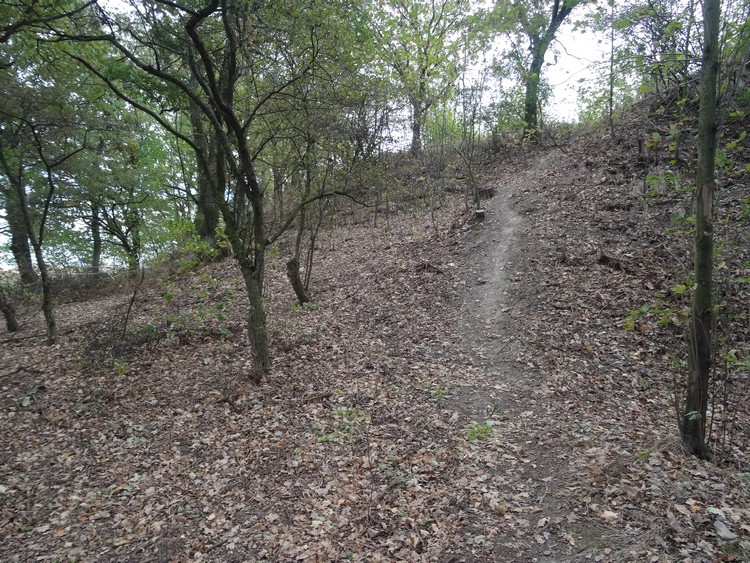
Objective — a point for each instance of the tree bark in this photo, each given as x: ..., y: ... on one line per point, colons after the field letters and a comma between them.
x: 133, y: 247
x: 36, y: 244
x: 207, y: 210
x: 19, y: 239
x: 292, y: 272
x: 540, y: 42
x: 256, y: 327
x: 699, y: 344
x: 96, y: 238
x: 9, y: 312
x: 531, y: 99
x: 417, y: 119
x: 292, y: 266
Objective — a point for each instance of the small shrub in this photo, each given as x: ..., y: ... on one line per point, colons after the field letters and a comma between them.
x: 477, y: 432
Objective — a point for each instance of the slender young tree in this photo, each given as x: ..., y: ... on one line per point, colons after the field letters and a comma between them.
x: 693, y: 425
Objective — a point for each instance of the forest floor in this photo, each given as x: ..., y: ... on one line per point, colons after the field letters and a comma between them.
x: 459, y: 391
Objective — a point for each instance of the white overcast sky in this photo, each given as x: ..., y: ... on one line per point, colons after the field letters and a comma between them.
x: 576, y: 65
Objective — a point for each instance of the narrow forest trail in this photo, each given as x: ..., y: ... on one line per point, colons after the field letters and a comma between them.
x: 531, y: 522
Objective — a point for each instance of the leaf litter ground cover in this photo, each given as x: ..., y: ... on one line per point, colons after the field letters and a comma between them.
x: 450, y: 397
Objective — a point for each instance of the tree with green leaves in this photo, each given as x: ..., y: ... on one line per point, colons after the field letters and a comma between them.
x: 537, y: 23
x: 39, y: 136
x: 43, y: 128
x: 693, y: 423
x: 226, y: 63
x: 420, y: 41
x: 32, y: 14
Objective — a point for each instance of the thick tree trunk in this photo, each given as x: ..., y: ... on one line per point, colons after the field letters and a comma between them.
x: 699, y: 346
x: 19, y: 240
x: 207, y: 211
x: 206, y: 215
x: 9, y: 312
x: 256, y: 326
x: 207, y: 208
x: 533, y: 79
x: 540, y: 42
x: 531, y: 99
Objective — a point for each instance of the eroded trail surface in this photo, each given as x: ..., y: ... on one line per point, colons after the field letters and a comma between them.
x: 526, y: 520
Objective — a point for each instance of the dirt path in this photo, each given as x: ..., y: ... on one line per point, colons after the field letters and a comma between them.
x: 531, y: 522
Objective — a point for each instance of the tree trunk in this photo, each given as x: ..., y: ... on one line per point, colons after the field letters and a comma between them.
x: 249, y: 251
x: 9, y: 312
x: 207, y: 209
x: 292, y: 272
x: 417, y: 119
x: 256, y: 326
x: 533, y: 79
x: 47, y: 299
x: 278, y: 192
x: 292, y: 266
x: 36, y: 244
x: 699, y: 345
x: 19, y: 239
x: 531, y: 99
x: 207, y: 214
x: 540, y: 42
x: 96, y: 237
x: 133, y: 220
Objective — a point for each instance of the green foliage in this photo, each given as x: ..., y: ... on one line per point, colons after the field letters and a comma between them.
x: 493, y: 409
x: 146, y: 333
x: 120, y: 367
x: 420, y: 46
x: 443, y: 124
x: 478, y: 432
x: 647, y: 315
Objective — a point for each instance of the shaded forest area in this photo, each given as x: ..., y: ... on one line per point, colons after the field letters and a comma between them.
x: 317, y: 282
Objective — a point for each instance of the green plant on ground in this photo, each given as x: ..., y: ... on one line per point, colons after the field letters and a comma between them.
x: 120, y: 366
x: 493, y: 409
x: 146, y: 333
x: 476, y: 432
